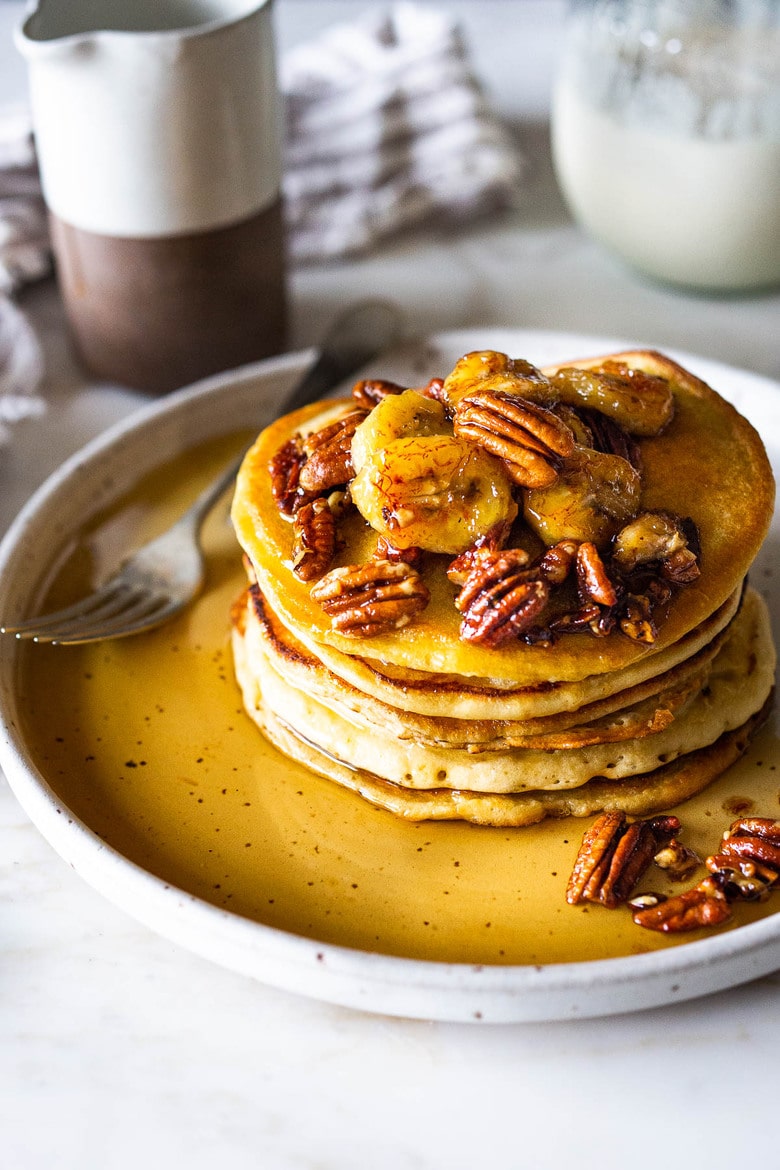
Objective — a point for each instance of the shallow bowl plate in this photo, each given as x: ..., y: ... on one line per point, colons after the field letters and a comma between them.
x: 131, y: 757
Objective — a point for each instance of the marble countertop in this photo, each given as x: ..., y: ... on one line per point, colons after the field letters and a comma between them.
x: 118, y: 1047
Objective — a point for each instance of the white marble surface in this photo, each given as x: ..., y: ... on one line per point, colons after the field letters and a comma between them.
x: 117, y: 1047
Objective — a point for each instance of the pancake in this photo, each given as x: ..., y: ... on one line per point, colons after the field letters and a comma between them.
x: 641, y: 710
x: 665, y: 787
x: 683, y: 472
x: 737, y: 684
x: 440, y: 696
x: 670, y: 670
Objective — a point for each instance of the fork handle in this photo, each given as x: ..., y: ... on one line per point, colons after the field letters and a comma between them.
x: 202, y: 504
x: 315, y: 382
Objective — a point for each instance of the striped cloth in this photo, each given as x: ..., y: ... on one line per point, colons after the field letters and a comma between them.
x: 387, y: 128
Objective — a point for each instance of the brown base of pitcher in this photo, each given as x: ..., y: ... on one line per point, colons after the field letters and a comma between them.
x: 157, y: 313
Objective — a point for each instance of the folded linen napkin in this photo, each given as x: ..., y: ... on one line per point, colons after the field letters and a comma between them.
x: 387, y: 127
x: 24, y: 256
x: 24, y: 239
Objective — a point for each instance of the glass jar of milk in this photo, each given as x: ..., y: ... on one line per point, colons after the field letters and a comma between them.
x: 666, y: 136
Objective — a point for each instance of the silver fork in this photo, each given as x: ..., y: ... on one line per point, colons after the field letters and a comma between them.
x: 162, y: 577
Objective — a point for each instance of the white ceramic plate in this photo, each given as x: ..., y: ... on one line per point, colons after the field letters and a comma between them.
x: 377, y: 982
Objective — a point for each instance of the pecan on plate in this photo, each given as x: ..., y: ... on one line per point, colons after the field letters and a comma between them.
x: 764, y: 827
x: 746, y: 868
x: 613, y: 856
x: 678, y: 860
x: 755, y: 839
x: 500, y: 598
x: 531, y: 440
x: 329, y: 454
x: 314, y: 539
x: 372, y: 390
x: 363, y: 600
x: 284, y: 469
x: 704, y: 905
x: 740, y: 878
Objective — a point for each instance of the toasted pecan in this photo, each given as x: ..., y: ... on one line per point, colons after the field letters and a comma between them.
x: 693, y: 909
x: 372, y: 390
x: 613, y: 856
x: 284, y: 469
x: 530, y: 439
x: 499, y: 598
x: 314, y: 539
x: 329, y: 454
x: 368, y: 599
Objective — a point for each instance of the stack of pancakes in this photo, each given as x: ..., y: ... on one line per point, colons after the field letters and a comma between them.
x: 429, y: 725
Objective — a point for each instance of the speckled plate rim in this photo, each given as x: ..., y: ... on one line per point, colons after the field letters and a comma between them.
x: 377, y: 983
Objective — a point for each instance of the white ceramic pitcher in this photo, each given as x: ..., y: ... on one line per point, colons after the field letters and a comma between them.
x: 157, y: 129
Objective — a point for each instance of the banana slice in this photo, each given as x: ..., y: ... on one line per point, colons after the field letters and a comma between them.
x: 419, y: 485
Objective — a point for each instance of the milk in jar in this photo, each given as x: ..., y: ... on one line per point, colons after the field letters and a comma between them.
x: 666, y: 140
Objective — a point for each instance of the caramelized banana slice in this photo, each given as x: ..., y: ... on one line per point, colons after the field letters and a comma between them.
x: 419, y: 485
x: 436, y: 492
x: 397, y: 416
x: 594, y: 495
x: 640, y: 403
x: 487, y: 369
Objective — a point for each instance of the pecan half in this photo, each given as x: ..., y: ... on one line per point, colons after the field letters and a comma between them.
x: 284, y: 469
x: 613, y: 856
x: 480, y: 558
x: 609, y: 437
x: 693, y: 909
x: 329, y: 454
x: 372, y: 390
x: 742, y: 878
x: 434, y: 388
x: 764, y: 827
x: 600, y: 622
x: 499, y: 598
x: 754, y: 848
x: 531, y: 441
x: 363, y: 600
x: 490, y: 542
x: 558, y: 561
x: 314, y: 539
x: 593, y: 582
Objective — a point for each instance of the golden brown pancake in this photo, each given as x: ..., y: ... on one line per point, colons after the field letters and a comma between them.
x: 428, y: 724
x: 642, y: 710
x: 426, y: 700
x: 664, y: 787
x: 709, y: 464
x: 738, y: 682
